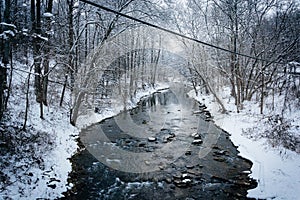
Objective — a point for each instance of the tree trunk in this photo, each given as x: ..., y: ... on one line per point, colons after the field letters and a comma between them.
x: 36, y: 28
x: 6, y: 49
x: 47, y: 56
x: 206, y: 82
x: 71, y: 43
x: 75, y: 110
x: 27, y: 99
x: 69, y: 69
x: 262, y: 91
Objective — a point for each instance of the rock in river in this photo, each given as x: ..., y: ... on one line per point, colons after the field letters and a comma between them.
x: 152, y: 139
x: 197, y: 142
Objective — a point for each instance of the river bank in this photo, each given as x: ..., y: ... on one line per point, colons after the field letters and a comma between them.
x: 275, y: 168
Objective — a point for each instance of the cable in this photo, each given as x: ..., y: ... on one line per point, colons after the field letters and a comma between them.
x: 175, y: 33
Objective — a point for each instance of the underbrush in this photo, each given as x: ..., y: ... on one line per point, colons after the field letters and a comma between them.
x: 21, y: 153
x: 278, y: 131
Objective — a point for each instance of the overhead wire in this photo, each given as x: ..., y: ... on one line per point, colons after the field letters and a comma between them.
x: 175, y: 33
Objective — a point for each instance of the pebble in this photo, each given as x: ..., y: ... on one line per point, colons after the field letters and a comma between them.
x: 208, y: 115
x: 127, y: 141
x: 177, y: 181
x: 168, y: 138
x: 197, y: 136
x: 194, y: 134
x: 142, y: 144
x: 182, y: 183
x: 189, y: 166
x: 53, y: 186
x: 208, y: 120
x: 187, y: 180
x: 242, y: 183
x: 197, y: 141
x: 172, y: 186
x: 188, y: 152
x: 215, y: 147
x: 247, y: 172
x: 168, y: 180
x: 176, y: 176
x: 172, y: 135
x: 184, y: 175
x: 219, y: 159
x: 193, y: 171
x: 221, y: 152
x: 203, y: 106
x: 165, y: 140
x: 149, y: 149
x: 197, y: 112
x: 152, y: 139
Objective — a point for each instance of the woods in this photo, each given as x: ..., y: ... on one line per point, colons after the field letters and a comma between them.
x: 66, y: 64
x: 59, y: 39
x: 254, y: 28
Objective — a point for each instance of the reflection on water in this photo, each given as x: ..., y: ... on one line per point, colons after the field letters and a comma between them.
x: 159, y: 150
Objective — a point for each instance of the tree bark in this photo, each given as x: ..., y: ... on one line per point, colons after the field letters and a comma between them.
x: 69, y: 69
x: 47, y: 56
x: 6, y: 49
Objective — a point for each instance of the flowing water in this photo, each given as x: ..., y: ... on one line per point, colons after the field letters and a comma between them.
x: 166, y: 148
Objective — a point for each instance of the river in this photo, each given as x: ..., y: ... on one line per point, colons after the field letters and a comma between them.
x: 166, y: 148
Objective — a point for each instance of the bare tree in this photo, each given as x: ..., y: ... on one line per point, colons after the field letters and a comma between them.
x: 6, y: 53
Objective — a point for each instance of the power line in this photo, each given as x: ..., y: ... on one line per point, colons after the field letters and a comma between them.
x: 174, y: 33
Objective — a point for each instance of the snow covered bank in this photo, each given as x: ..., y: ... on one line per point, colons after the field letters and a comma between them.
x: 36, y: 163
x: 117, y: 106
x: 39, y: 168
x: 275, y: 169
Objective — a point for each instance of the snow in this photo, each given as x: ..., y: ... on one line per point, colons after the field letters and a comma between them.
x: 34, y: 35
x: 57, y: 145
x: 275, y: 169
x: 277, y: 173
x: 32, y: 181
x: 47, y: 14
x: 91, y: 117
x: 9, y: 25
x: 5, y: 35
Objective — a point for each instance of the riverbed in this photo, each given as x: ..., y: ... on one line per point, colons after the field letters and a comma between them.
x: 166, y: 148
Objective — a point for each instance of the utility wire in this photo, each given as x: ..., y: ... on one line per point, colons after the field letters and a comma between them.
x: 175, y: 33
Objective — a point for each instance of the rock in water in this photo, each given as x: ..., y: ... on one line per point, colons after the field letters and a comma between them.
x: 53, y: 186
x: 152, y: 139
x: 197, y: 142
x: 189, y: 166
x: 196, y: 135
x: 142, y: 144
x: 188, y: 152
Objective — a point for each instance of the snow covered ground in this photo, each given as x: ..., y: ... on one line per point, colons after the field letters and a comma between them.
x: 276, y: 169
x: 39, y: 167
x: 37, y: 164
x: 43, y: 171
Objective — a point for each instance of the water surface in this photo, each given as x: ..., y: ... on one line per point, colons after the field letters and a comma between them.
x: 166, y: 148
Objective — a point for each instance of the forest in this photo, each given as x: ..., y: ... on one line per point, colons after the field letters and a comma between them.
x: 66, y: 59
x: 59, y: 36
